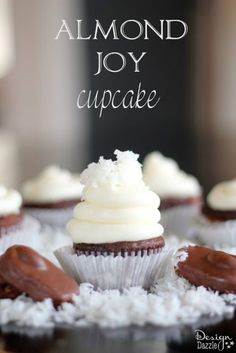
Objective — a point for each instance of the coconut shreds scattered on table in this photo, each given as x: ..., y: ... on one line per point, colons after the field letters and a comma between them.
x: 171, y: 301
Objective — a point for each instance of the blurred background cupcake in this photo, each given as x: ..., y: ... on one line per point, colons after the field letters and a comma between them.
x: 216, y: 225
x: 15, y: 226
x: 116, y: 232
x: 180, y: 193
x: 50, y: 198
x: 52, y: 195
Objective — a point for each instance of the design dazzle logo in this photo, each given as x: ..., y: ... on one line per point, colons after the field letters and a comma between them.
x: 217, y: 342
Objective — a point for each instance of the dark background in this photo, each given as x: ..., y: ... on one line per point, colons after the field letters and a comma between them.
x: 194, y: 122
x: 166, y: 68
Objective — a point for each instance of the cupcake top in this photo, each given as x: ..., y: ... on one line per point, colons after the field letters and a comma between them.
x: 164, y: 177
x: 117, y: 205
x: 223, y: 196
x: 10, y: 201
x: 52, y: 185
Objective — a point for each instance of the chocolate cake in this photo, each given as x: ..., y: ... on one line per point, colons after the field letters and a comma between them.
x: 121, y: 247
x: 53, y: 205
x: 170, y: 202
x: 218, y: 215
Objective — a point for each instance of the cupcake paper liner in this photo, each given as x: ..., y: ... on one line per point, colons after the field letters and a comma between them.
x: 115, y: 272
x: 26, y: 233
x: 179, y: 220
x: 53, y: 217
x: 11, y: 229
x: 220, y: 234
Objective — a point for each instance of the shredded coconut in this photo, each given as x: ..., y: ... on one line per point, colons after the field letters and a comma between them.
x: 125, y: 170
x: 171, y: 301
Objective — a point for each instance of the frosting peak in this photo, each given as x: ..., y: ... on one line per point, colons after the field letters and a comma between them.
x: 164, y: 177
x: 223, y: 196
x: 117, y: 205
x: 10, y: 201
x: 125, y: 171
x: 51, y: 185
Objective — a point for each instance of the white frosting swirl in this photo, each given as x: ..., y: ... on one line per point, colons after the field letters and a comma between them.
x: 10, y: 201
x: 117, y: 205
x: 164, y: 177
x: 52, y: 185
x: 223, y: 196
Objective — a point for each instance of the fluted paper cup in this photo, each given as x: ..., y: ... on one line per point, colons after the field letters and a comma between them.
x: 221, y: 234
x: 27, y: 233
x: 115, y: 272
x: 179, y: 220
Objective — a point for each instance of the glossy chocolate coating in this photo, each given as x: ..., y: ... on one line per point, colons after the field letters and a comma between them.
x: 209, y: 268
x: 121, y: 246
x: 7, y: 290
x: 31, y: 273
x: 217, y: 215
x: 170, y: 202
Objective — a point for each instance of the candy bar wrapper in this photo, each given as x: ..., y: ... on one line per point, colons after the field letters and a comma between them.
x: 214, y: 234
x: 26, y: 233
x: 115, y: 272
x: 52, y: 217
x: 179, y: 220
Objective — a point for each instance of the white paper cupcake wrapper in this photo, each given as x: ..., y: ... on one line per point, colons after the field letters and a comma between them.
x: 221, y: 234
x: 178, y: 220
x: 53, y: 217
x: 114, y: 272
x: 27, y: 234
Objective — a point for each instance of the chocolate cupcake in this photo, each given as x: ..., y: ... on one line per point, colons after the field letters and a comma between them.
x: 116, y: 233
x: 52, y: 195
x: 216, y: 225
x: 15, y: 226
x: 180, y: 193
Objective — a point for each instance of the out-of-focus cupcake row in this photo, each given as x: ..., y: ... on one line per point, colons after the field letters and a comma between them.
x: 105, y: 226
x: 37, y: 217
x: 209, y: 220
